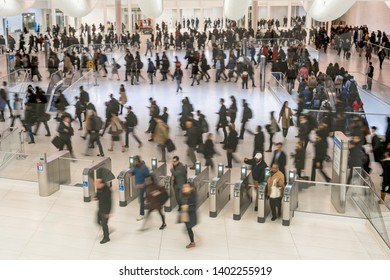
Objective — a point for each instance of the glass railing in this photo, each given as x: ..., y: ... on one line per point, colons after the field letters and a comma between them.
x: 23, y: 166
x: 11, y: 143
x: 277, y: 84
x: 16, y: 80
x: 378, y: 89
x: 358, y: 201
x: 86, y: 79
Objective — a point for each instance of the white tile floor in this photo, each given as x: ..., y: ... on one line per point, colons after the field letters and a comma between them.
x: 62, y: 226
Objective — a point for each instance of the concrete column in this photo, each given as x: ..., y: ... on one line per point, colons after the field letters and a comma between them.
x: 201, y: 20
x: 289, y: 15
x: 53, y: 14
x: 255, y: 14
x: 130, y: 23
x: 118, y: 16
x: 329, y: 28
x: 104, y: 13
x: 268, y: 10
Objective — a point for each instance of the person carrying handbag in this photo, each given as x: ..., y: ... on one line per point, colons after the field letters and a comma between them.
x: 187, y: 215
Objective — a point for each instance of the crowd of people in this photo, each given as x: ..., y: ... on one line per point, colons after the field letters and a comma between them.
x: 295, y: 65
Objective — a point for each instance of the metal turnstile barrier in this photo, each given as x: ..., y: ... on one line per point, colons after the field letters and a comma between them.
x: 219, y: 191
x: 200, y: 182
x: 126, y: 185
x: 52, y: 172
x: 263, y: 208
x: 290, y: 199
x: 89, y: 176
x: 242, y: 194
x: 171, y: 202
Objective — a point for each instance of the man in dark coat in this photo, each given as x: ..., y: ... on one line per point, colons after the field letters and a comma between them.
x: 222, y: 121
x: 103, y: 195
x: 258, y: 146
x: 258, y: 172
x: 246, y: 116
x: 377, y: 147
x: 231, y: 145
x: 320, y: 148
x: 192, y: 141
x: 280, y: 158
x: 65, y: 132
x: 179, y: 176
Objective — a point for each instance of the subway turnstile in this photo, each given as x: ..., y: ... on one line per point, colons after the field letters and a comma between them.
x: 126, y: 185
x: 89, y: 175
x: 200, y: 182
x: 242, y: 194
x: 263, y: 208
x: 219, y: 191
x: 52, y: 172
x: 290, y: 199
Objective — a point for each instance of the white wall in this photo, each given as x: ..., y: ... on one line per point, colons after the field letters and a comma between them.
x: 278, y: 13
x: 373, y: 14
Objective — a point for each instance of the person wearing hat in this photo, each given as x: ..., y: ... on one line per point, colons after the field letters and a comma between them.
x: 103, y: 195
x: 258, y: 167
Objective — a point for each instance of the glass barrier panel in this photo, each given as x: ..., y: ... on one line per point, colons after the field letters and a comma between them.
x: 360, y: 202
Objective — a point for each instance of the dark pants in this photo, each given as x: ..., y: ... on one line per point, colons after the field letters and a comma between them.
x: 285, y: 131
x: 177, y: 190
x: 209, y: 162
x: 271, y: 136
x: 128, y: 131
x: 103, y: 221
x: 275, y: 203
x: 242, y: 130
x: 68, y: 144
x: 224, y: 132
x: 190, y: 234
x: 141, y: 199
x: 95, y: 137
x: 150, y: 211
x: 313, y: 171
x: 46, y: 127
x: 163, y: 152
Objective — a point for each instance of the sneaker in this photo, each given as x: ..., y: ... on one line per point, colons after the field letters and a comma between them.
x: 191, y: 245
x: 140, y: 218
x: 273, y: 218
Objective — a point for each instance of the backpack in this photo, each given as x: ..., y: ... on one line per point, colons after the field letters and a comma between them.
x: 353, y: 88
x: 249, y: 112
x: 204, y: 126
x: 96, y: 123
x: 132, y: 120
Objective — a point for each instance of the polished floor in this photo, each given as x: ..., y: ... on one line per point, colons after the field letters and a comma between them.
x: 62, y: 226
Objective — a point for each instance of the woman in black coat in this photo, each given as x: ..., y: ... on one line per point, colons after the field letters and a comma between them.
x: 299, y: 157
x: 231, y: 145
x: 153, y: 192
x: 188, y: 211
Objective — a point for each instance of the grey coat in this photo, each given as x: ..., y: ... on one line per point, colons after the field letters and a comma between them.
x: 180, y: 174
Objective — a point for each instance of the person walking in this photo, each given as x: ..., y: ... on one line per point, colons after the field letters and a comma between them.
x: 178, y: 75
x: 152, y: 200
x: 320, y: 148
x: 275, y: 190
x: 222, y: 121
x: 285, y: 116
x: 381, y: 56
x: 151, y: 70
x: 192, y: 141
x: 246, y: 116
x: 209, y: 151
x: 179, y: 177
x: 280, y: 158
x: 103, y: 195
x: 370, y: 75
x: 231, y: 145
x: 65, y: 132
x: 140, y: 171
x: 122, y: 98
x: 258, y: 167
x: 272, y: 128
x: 95, y: 124
x: 232, y: 111
x: 188, y: 212
x: 161, y: 137
x: 115, y: 130
x: 131, y: 122
x: 299, y: 158
x: 386, y: 175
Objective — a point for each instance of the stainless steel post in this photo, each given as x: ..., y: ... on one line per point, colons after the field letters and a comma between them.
x: 262, y: 72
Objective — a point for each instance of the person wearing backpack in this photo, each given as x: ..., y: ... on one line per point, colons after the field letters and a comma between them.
x: 95, y: 124
x: 246, y: 116
x: 131, y: 123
